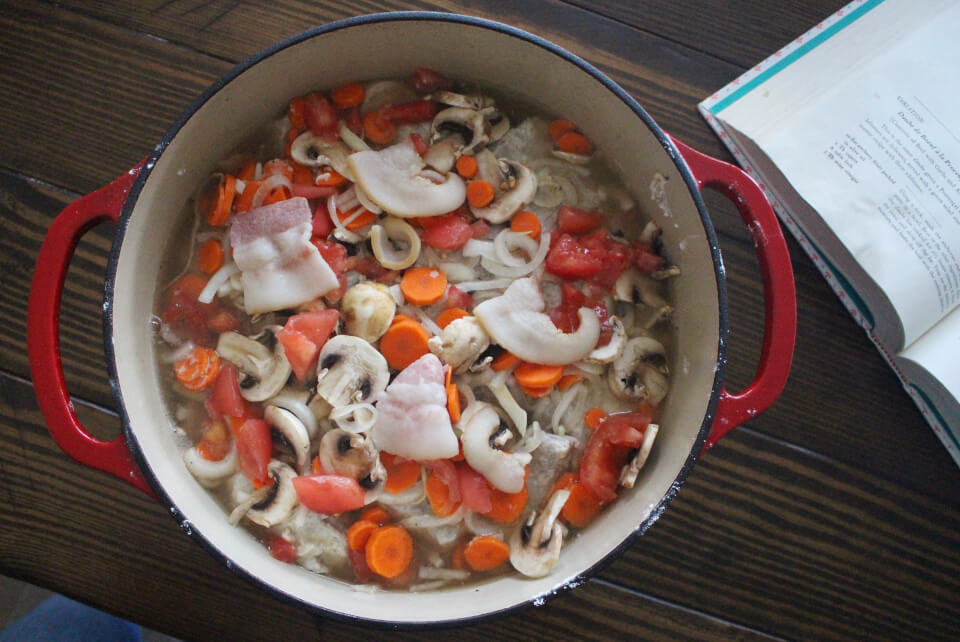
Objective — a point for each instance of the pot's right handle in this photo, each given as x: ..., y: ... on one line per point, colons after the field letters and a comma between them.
x: 780, y: 316
x: 43, y: 332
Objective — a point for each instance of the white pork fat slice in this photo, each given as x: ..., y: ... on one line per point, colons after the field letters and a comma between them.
x: 412, y: 418
x: 279, y: 266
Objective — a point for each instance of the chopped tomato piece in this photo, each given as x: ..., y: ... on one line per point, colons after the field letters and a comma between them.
x: 322, y: 223
x: 419, y: 144
x: 303, y: 337
x: 329, y: 494
x: 427, y: 80
x: 447, y: 232
x: 311, y: 191
x: 185, y: 314
x: 569, y: 259
x: 645, y: 259
x: 457, y: 298
x: 353, y: 121
x: 215, y: 443
x: 358, y: 560
x: 571, y: 220
x: 474, y: 489
x: 609, y: 449
x: 222, y: 321
x: 254, y: 447
x: 281, y: 549
x: 479, y: 229
x: 320, y: 115
x: 416, y: 111
x: 335, y: 254
x: 225, y: 399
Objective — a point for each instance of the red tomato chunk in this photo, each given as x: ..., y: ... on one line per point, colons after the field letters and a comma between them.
x: 609, y: 449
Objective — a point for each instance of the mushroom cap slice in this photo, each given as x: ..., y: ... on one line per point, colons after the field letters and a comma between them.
x: 535, y: 547
x: 610, y: 352
x: 270, y: 369
x: 292, y: 430
x: 352, y: 455
x: 515, y: 320
x: 640, y: 372
x: 350, y: 370
x: 367, y: 310
x: 628, y: 475
x: 458, y: 121
x: 393, y: 179
x: 281, y: 500
x: 519, y: 187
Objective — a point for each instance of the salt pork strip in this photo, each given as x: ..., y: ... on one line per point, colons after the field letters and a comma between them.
x: 279, y: 267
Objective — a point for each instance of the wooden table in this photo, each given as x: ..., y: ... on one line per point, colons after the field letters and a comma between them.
x: 834, y: 515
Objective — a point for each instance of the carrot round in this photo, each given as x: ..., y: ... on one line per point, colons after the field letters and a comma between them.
x: 389, y: 551
x: 245, y: 199
x: 536, y: 393
x: 535, y: 375
x: 295, y: 111
x: 198, y: 370
x: 302, y: 175
x: 480, y: 193
x: 582, y: 506
x: 450, y: 315
x: 401, y: 473
x: 467, y: 166
x: 574, y: 143
x: 376, y: 514
x: 504, y: 361
x: 423, y: 285
x: 365, y: 218
x: 439, y: 495
x: 329, y: 178
x: 453, y: 397
x: 403, y: 343
x: 348, y: 96
x: 457, y: 559
x: 398, y: 318
x: 378, y: 128
x: 359, y: 533
x: 526, y: 222
x: 566, y: 381
x: 486, y: 553
x: 210, y: 256
x: 506, y: 507
x: 217, y: 200
x: 558, y: 128
x: 593, y: 417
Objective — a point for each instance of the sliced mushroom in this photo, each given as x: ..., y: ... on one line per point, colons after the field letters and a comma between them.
x: 609, y: 352
x: 650, y: 234
x: 296, y: 401
x: 313, y: 151
x: 354, y: 456
x: 665, y: 273
x: 535, y: 547
x: 209, y: 473
x: 469, y: 124
x: 443, y: 154
x: 640, y: 372
x: 350, y: 371
x: 461, y: 343
x: 515, y: 321
x: 367, y: 310
x: 395, y: 178
x: 468, y: 101
x: 280, y: 500
x: 266, y: 371
x: 292, y: 430
x: 518, y: 187
x: 628, y: 476
x: 355, y: 418
x: 634, y: 286
x: 505, y: 471
x: 395, y: 243
x: 498, y: 123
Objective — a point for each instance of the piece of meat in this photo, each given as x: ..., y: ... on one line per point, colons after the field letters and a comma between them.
x: 412, y: 417
x: 279, y: 267
x: 549, y: 461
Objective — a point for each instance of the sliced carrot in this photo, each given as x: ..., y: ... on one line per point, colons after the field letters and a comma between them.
x: 403, y: 343
x: 198, y: 370
x: 526, y: 222
x: 302, y: 175
x: 439, y: 495
x: 457, y: 559
x: 593, y: 417
x: 329, y: 178
x: 389, y: 551
x: 480, y: 193
x: 377, y: 515
x: 467, y: 166
x: 397, y: 318
x: 276, y: 195
x: 582, y: 506
x: 574, y: 143
x: 248, y: 172
x: 423, y: 285
x: 358, y: 534
x: 401, y: 473
x: 558, y: 128
x: 506, y: 507
x: 348, y: 96
x: 210, y: 256
x: 378, y: 128
x: 504, y: 361
x: 453, y: 397
x: 245, y: 199
x: 279, y: 167
x: 536, y: 393
x: 295, y: 111
x: 566, y: 381
x: 363, y: 219
x: 450, y: 315
x: 217, y: 200
x: 316, y: 467
x: 535, y: 375
x: 486, y: 553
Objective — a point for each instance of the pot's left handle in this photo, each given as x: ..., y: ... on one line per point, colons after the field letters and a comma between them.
x: 780, y: 314
x: 43, y: 332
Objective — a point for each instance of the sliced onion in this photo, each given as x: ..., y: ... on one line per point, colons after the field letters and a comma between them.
x: 518, y: 415
x: 356, y: 418
x: 365, y: 200
x: 467, y: 392
x: 341, y: 232
x: 428, y: 324
x: 564, y: 404
x: 352, y: 141
x: 531, y: 441
x: 490, y: 284
x: 498, y: 269
x: 447, y: 574
x: 480, y: 525
x: 476, y: 247
x: 432, y: 521
x: 298, y: 408
x: 426, y: 586
x: 269, y: 184
x: 179, y: 352
x: 413, y: 495
x: 219, y: 277
x: 168, y: 335
x: 348, y: 200
x: 506, y: 242
x: 457, y: 272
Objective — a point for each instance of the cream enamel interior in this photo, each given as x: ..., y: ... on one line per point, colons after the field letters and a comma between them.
x: 394, y: 49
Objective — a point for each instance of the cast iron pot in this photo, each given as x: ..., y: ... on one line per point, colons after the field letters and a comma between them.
x: 148, y: 203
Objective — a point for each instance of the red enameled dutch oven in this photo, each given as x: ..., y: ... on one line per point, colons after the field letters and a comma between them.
x: 148, y: 202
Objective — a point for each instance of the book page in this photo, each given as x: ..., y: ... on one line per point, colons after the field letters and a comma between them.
x: 937, y: 350
x: 878, y: 157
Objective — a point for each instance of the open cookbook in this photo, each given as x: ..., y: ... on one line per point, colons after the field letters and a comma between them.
x: 853, y: 131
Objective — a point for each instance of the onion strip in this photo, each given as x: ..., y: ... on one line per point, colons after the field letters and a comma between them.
x: 220, y: 277
x: 498, y: 269
x: 269, y: 184
x: 492, y: 284
x: 351, y: 140
x: 432, y: 521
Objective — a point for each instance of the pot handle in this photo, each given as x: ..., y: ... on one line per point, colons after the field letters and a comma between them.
x: 780, y: 314
x: 43, y: 332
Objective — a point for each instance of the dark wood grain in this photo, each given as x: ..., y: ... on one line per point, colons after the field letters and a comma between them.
x: 134, y: 561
